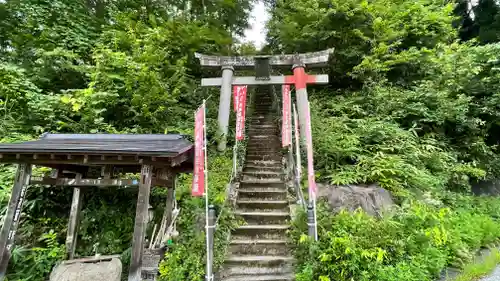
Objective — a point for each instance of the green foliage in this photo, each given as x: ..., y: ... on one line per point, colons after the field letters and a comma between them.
x: 414, y: 243
x: 186, y: 259
x: 360, y: 31
x: 478, y: 269
x: 37, y: 262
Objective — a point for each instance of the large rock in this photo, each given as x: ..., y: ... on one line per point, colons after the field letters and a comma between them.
x: 109, y: 270
x: 489, y: 187
x: 372, y: 199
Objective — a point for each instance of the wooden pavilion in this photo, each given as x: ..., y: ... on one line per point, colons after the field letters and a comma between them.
x: 83, y: 160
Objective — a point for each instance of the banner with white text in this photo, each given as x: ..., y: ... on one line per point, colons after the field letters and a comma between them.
x: 286, y: 130
x: 198, y: 187
x: 240, y: 111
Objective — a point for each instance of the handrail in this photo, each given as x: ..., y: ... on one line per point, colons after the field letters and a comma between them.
x: 239, y: 153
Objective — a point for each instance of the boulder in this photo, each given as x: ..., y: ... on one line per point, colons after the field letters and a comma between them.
x: 372, y: 198
x: 487, y: 187
x: 103, y: 270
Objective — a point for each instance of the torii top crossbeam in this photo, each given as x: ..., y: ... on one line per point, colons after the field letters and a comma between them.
x: 314, y: 59
x: 262, y: 66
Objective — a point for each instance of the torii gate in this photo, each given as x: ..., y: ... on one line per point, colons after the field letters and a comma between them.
x: 262, y: 65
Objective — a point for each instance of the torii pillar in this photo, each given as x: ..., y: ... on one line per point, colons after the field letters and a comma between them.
x: 262, y: 66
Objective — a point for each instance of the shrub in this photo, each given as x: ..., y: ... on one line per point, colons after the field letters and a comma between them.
x: 414, y: 243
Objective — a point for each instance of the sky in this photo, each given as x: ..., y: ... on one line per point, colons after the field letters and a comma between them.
x: 257, y: 31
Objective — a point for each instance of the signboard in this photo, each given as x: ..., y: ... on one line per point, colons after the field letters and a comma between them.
x: 198, y: 187
x: 286, y: 130
x: 240, y: 111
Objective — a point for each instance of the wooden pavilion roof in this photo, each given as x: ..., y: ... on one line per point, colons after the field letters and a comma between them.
x: 56, y: 150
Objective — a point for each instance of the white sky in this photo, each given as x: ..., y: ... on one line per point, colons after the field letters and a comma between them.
x: 257, y: 31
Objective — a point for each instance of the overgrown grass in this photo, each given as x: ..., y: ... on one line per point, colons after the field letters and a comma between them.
x: 414, y: 243
x: 478, y: 269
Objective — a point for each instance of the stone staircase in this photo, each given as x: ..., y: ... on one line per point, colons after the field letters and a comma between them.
x: 258, y: 250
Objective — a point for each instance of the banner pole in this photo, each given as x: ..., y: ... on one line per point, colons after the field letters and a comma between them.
x: 205, y: 171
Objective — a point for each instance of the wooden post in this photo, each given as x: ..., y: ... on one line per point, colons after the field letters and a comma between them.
x: 141, y: 219
x: 74, y: 221
x: 170, y: 176
x: 107, y: 171
x: 13, y: 215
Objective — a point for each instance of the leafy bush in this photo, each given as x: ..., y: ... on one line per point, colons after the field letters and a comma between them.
x: 185, y: 260
x: 414, y: 243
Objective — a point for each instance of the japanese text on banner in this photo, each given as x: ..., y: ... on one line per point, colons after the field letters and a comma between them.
x: 198, y: 187
x: 240, y: 112
x: 286, y: 129
x: 235, y: 97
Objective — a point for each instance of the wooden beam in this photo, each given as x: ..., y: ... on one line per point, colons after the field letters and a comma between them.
x: 84, y: 160
x: 13, y: 215
x: 141, y: 219
x: 179, y: 159
x: 74, y: 221
x: 93, y: 182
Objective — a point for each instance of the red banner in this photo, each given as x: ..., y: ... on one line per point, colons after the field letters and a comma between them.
x: 240, y: 111
x: 286, y: 128
x: 198, y: 187
x: 310, y: 161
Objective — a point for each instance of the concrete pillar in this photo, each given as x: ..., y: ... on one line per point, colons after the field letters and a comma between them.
x: 300, y: 78
x: 225, y: 105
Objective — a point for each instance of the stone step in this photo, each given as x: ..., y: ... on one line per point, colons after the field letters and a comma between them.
x: 259, y: 231
x: 262, y: 194
x: 245, y: 184
x: 262, y: 143
x: 264, y: 126
x: 263, y: 116
x: 250, y: 272
x: 264, y: 218
x: 250, y: 168
x: 264, y: 174
x: 264, y: 111
x: 259, y: 259
x: 263, y: 180
x: 259, y: 247
x: 262, y: 131
x: 262, y: 151
x: 266, y: 137
x: 267, y: 121
x: 263, y: 277
x: 264, y: 157
x: 266, y: 163
x: 257, y: 205
x: 265, y: 153
x: 264, y: 146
